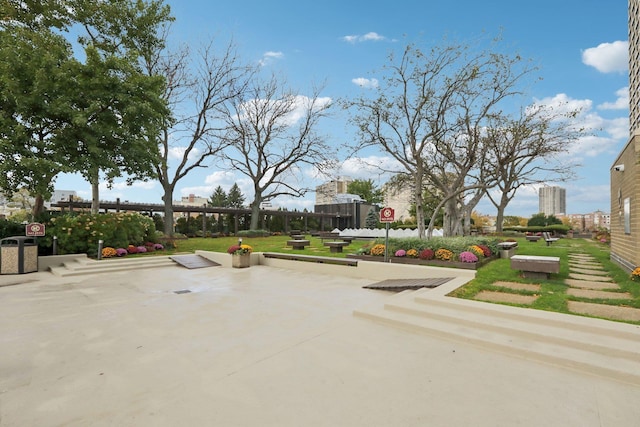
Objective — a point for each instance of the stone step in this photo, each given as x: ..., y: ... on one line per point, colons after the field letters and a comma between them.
x: 91, y: 266
x: 597, y: 346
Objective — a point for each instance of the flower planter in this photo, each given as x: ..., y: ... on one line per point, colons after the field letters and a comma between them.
x: 431, y: 262
x: 241, y: 260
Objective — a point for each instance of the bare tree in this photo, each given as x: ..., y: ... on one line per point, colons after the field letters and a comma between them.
x: 271, y: 132
x: 196, y: 91
x: 528, y: 150
x: 428, y: 115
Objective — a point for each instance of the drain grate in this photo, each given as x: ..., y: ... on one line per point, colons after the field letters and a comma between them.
x: 183, y: 291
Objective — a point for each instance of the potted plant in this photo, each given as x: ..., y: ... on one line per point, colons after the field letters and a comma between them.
x: 240, y: 255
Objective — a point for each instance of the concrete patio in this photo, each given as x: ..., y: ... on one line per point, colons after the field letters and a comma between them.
x: 266, y: 346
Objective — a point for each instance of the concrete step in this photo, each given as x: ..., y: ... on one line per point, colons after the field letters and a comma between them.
x: 91, y: 266
x: 601, y: 347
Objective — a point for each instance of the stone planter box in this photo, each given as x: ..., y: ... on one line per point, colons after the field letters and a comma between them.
x: 418, y: 261
x: 241, y: 261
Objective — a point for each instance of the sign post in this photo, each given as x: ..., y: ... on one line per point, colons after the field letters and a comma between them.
x: 387, y: 215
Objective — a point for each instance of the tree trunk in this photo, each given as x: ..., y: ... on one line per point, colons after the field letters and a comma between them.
x: 95, y: 191
x: 417, y: 194
x: 38, y: 207
x: 167, y: 198
x: 500, y: 215
x: 255, y: 214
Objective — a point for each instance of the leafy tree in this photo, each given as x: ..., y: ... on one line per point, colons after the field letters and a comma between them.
x: 366, y: 189
x: 271, y: 132
x: 218, y: 198
x: 542, y: 220
x: 513, y: 221
x: 371, y: 221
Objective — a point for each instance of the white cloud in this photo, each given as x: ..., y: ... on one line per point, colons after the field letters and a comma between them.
x: 370, y: 36
x: 621, y: 103
x: 608, y: 57
x: 365, y: 83
x: 270, y: 56
x: 177, y: 153
x: 378, y: 168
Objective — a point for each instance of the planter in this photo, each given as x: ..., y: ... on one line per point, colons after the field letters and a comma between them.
x: 241, y: 261
x: 431, y: 262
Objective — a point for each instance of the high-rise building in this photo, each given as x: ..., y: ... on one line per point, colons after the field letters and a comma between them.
x: 552, y: 200
x: 634, y: 66
x: 327, y: 192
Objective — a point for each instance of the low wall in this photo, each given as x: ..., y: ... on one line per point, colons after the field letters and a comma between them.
x: 365, y: 270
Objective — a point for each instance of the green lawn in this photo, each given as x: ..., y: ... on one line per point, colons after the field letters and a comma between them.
x: 553, y: 295
x: 263, y: 244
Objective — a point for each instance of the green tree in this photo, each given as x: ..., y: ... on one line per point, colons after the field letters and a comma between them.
x: 367, y: 190
x: 542, y: 220
x: 218, y: 198
x: 371, y: 221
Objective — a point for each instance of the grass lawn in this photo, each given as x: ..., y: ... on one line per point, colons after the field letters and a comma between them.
x: 264, y: 244
x: 552, y: 294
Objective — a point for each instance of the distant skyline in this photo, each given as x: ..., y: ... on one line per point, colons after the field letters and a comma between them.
x: 579, y: 46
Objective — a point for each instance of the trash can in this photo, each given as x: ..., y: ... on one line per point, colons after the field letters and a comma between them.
x: 18, y: 255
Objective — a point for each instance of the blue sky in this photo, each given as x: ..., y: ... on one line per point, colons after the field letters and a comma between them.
x: 579, y: 46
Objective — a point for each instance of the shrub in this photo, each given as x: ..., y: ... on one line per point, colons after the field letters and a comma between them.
x: 377, y: 250
x: 121, y: 252
x: 427, y: 254
x: 476, y: 250
x: 80, y: 233
x: 444, y: 254
x: 468, y: 256
x: 108, y: 252
x: 486, y: 250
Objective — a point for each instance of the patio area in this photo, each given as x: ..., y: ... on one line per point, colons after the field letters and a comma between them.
x: 262, y: 346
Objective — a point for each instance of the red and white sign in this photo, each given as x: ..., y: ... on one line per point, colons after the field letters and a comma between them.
x: 387, y: 215
x: 34, y: 229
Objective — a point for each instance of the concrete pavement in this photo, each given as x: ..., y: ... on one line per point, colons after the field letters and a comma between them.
x: 263, y: 346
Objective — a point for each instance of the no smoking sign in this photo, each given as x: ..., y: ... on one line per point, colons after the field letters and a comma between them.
x: 387, y: 215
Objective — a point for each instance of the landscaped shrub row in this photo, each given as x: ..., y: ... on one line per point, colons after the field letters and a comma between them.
x: 464, y: 249
x: 80, y: 233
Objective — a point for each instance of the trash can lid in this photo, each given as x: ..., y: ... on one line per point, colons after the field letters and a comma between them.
x: 16, y: 239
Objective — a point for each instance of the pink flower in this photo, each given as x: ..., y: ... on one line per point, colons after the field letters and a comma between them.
x: 401, y: 252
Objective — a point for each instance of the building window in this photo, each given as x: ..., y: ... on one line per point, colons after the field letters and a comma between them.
x: 627, y: 216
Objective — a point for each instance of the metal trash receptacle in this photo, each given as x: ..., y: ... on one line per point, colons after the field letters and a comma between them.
x: 18, y: 255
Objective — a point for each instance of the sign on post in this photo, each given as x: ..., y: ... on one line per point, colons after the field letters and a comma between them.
x: 387, y: 215
x: 34, y: 229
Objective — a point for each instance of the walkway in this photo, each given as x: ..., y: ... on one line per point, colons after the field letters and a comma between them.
x: 263, y: 346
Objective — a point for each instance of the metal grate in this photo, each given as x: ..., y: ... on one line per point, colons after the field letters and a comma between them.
x: 183, y: 291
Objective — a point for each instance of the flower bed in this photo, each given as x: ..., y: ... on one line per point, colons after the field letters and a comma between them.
x: 430, y: 262
x: 468, y: 252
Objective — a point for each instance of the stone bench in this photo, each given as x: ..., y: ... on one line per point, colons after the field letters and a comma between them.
x: 336, y: 246
x: 507, y: 249
x: 533, y: 238
x: 536, y: 267
x: 298, y: 243
x: 312, y: 258
x: 547, y: 238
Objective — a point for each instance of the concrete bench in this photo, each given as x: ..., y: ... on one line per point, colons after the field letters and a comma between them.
x: 336, y: 246
x: 297, y: 236
x: 507, y: 249
x: 536, y: 267
x: 532, y: 238
x: 547, y: 238
x: 312, y: 258
x: 329, y: 235
x: 298, y: 243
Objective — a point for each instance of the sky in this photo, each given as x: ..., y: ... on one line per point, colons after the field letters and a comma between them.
x: 579, y: 47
